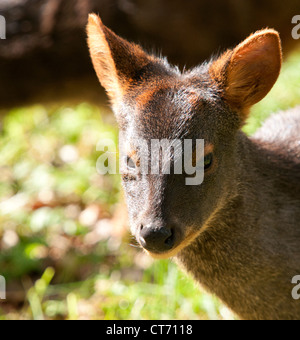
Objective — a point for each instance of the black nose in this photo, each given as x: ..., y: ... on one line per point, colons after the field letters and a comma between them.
x: 157, y: 239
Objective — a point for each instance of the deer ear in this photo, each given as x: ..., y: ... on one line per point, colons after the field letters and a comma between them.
x: 116, y: 61
x: 247, y: 73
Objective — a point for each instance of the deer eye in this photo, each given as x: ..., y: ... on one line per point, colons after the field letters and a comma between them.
x: 130, y: 164
x: 208, y: 161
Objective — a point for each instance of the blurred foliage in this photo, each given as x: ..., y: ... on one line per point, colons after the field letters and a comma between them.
x: 64, y: 247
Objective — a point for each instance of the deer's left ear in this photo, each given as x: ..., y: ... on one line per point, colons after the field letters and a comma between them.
x: 117, y: 62
x: 247, y: 73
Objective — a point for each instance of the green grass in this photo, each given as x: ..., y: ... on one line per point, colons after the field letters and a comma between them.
x: 64, y: 247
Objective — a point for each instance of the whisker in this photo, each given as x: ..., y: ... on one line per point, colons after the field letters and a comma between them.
x: 135, y: 246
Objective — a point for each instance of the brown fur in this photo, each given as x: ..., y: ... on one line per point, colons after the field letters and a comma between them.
x: 106, y: 53
x: 238, y: 233
x: 244, y: 86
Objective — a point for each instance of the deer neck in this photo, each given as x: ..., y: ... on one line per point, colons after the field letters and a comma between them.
x: 239, y: 254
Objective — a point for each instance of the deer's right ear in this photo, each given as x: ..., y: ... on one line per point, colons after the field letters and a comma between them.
x: 247, y: 73
x: 116, y: 61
